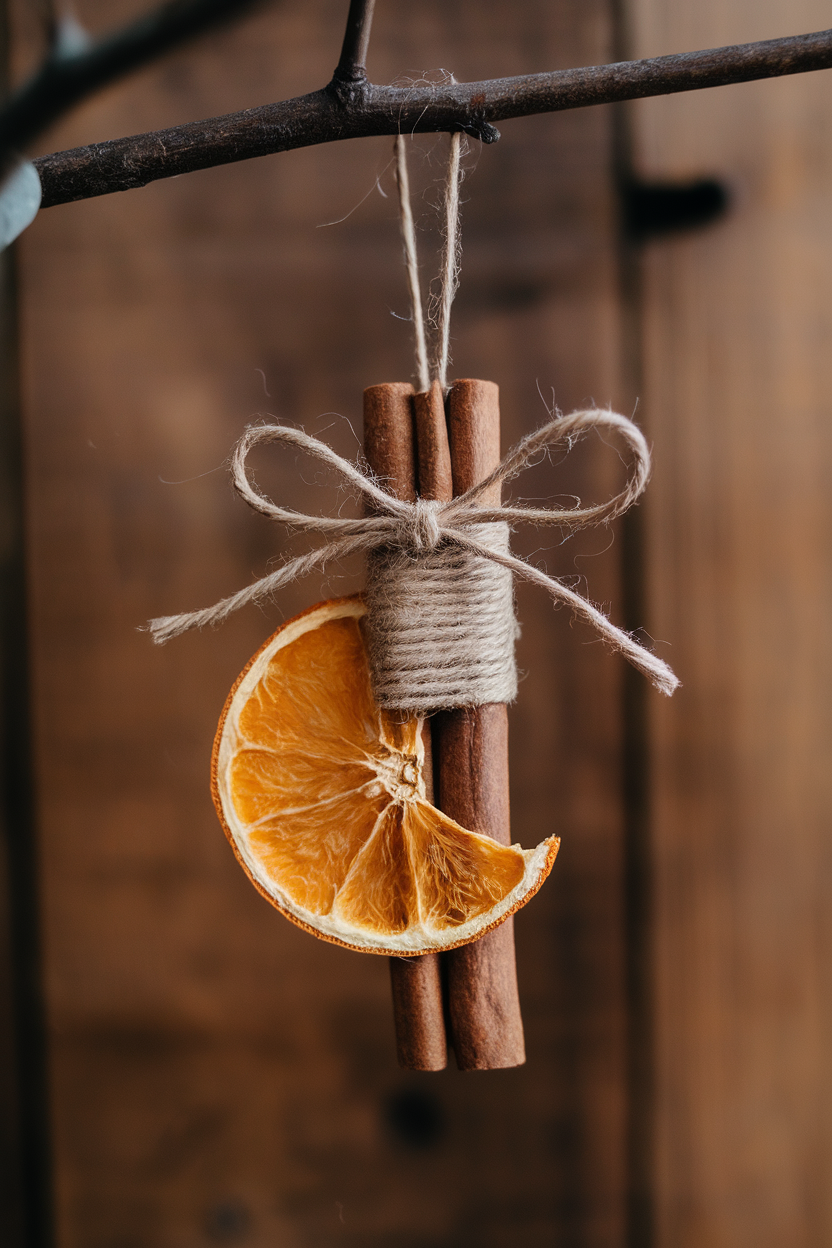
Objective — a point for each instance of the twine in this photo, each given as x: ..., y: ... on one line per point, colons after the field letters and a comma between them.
x: 440, y: 626
x: 417, y: 314
x: 441, y: 302
x: 416, y: 529
x: 451, y: 258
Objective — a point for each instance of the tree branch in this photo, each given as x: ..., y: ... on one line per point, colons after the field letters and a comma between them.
x: 327, y: 115
x: 75, y: 69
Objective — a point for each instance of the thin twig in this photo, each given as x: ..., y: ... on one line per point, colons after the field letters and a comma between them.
x: 352, y: 67
x: 73, y: 71
x: 325, y: 116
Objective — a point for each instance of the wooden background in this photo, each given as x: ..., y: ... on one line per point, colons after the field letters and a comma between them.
x: 738, y: 397
x: 215, y: 1075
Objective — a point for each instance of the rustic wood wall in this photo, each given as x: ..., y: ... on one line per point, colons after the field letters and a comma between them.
x: 216, y: 1075
x: 737, y: 397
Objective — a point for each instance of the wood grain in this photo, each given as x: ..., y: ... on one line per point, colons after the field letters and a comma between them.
x: 737, y: 396
x: 390, y: 450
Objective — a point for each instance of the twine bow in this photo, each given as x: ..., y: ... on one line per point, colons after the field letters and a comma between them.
x: 426, y: 525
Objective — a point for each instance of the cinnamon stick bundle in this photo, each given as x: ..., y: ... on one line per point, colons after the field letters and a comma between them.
x: 415, y: 445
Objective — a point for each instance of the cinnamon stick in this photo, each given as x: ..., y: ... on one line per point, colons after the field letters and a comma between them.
x: 415, y: 982
x: 433, y: 451
x: 471, y: 766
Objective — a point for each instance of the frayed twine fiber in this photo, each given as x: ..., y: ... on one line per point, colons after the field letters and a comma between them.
x: 442, y: 301
x: 424, y: 528
x: 411, y: 263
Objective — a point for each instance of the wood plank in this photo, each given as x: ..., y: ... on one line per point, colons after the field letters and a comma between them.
x: 24, y: 1199
x: 25, y: 1161
x: 738, y: 393
x: 216, y: 1071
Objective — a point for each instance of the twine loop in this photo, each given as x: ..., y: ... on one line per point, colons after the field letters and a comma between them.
x: 423, y: 527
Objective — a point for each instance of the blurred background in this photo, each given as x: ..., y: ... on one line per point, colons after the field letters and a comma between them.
x: 212, y: 1074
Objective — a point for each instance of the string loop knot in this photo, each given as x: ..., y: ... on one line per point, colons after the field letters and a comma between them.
x: 425, y: 529
x: 426, y: 526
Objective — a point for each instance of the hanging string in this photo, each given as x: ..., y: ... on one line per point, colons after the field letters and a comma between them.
x: 451, y: 253
x: 449, y: 276
x: 409, y: 239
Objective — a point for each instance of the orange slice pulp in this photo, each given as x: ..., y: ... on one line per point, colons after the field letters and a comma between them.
x: 322, y: 796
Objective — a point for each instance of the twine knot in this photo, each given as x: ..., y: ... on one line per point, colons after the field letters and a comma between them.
x: 440, y: 533
x: 421, y: 529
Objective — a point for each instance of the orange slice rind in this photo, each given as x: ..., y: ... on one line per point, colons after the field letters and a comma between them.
x: 322, y: 796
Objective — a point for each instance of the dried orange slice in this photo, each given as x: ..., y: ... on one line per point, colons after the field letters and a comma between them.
x: 322, y: 797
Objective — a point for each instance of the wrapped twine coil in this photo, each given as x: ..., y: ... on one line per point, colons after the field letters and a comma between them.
x: 441, y: 627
